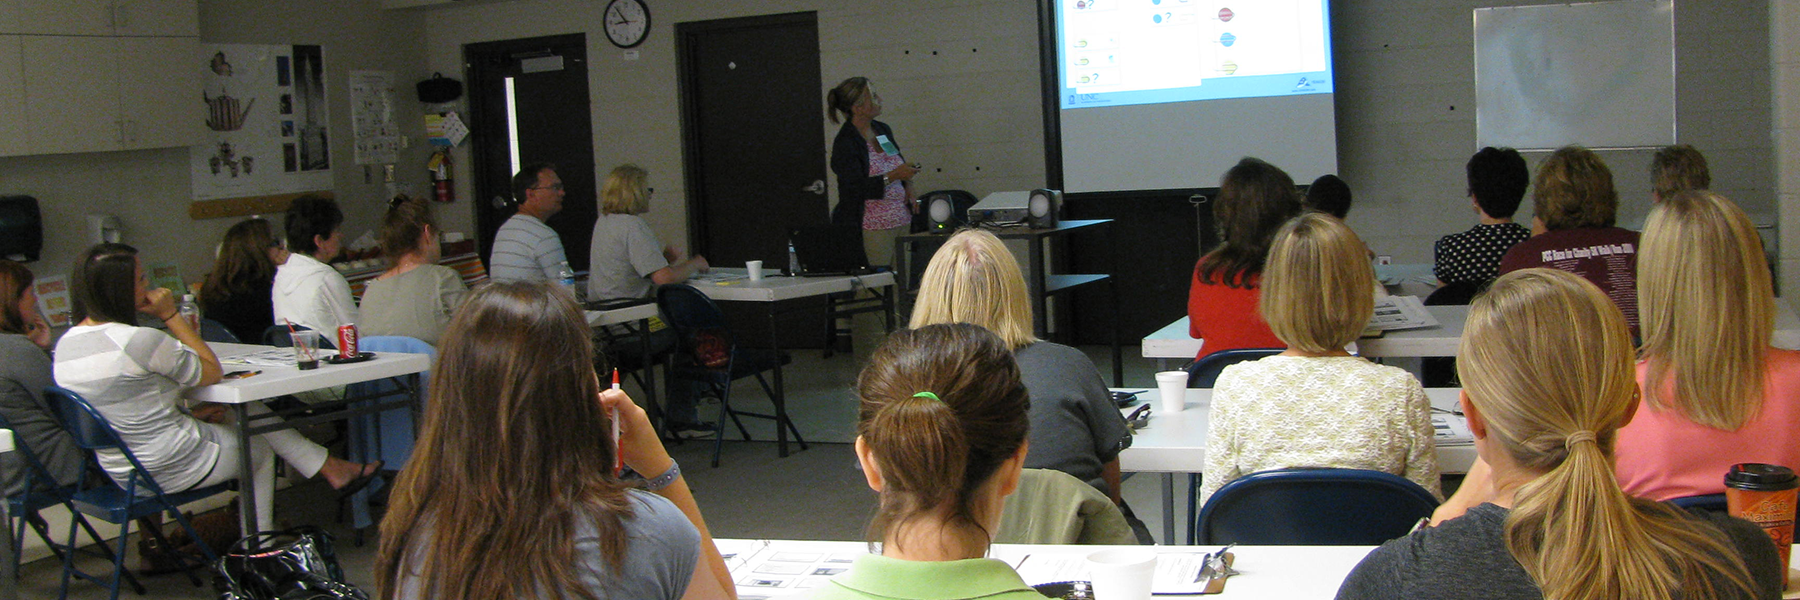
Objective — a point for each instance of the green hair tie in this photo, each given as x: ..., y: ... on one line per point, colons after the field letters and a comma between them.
x: 927, y: 395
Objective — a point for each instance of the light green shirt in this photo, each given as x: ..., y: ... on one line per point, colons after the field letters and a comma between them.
x: 879, y: 577
x: 415, y: 304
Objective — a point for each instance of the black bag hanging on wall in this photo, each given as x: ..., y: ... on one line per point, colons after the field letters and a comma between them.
x: 297, y: 564
x: 439, y: 89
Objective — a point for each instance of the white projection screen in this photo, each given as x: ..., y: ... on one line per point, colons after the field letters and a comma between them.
x: 1168, y: 94
x: 1598, y: 74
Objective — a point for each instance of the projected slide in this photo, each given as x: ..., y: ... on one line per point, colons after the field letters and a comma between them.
x: 1124, y: 52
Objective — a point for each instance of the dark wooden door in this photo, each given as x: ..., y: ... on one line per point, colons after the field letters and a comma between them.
x: 752, y: 113
x: 528, y: 103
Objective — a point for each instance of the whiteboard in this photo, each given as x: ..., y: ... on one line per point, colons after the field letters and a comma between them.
x: 1600, y: 74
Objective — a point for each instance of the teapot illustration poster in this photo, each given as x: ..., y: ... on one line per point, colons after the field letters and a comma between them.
x: 266, y: 122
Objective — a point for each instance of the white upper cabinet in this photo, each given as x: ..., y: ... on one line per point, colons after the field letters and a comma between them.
x: 155, y: 18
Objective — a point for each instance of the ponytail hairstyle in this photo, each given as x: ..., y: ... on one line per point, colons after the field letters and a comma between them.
x: 513, y: 458
x: 405, y: 222
x: 1546, y: 360
x: 843, y: 98
x: 942, y: 409
x: 1707, y: 308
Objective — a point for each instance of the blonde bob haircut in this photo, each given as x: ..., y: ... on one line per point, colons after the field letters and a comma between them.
x: 1546, y: 362
x: 1574, y: 189
x: 973, y: 278
x: 1318, y: 287
x: 625, y: 191
x: 1708, y: 309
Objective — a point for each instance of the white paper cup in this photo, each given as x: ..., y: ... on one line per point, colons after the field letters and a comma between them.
x: 1122, y: 573
x: 755, y: 269
x: 1172, y: 387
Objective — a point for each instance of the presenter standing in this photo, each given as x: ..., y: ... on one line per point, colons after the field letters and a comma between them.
x: 874, y: 180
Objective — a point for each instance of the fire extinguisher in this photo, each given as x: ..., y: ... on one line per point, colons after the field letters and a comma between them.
x: 442, y: 176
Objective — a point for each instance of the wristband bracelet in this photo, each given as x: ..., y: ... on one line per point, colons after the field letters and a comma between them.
x: 663, y: 480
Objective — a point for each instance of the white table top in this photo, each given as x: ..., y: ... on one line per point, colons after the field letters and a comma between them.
x: 1172, y: 341
x: 775, y: 287
x: 1275, y: 572
x: 597, y: 318
x: 281, y: 381
x: 1176, y: 442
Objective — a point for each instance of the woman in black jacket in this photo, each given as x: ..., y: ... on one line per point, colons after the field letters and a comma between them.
x: 874, y: 180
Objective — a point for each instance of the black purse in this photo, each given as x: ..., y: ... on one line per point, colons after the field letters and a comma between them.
x: 297, y: 564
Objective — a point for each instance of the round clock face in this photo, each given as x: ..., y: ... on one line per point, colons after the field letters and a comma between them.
x: 627, y: 22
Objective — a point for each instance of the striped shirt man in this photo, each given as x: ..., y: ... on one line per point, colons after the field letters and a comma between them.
x: 525, y: 249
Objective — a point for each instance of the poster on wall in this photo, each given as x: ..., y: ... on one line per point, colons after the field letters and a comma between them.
x: 266, y: 121
x: 377, y: 139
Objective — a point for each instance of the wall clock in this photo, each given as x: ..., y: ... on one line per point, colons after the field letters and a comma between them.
x: 627, y: 22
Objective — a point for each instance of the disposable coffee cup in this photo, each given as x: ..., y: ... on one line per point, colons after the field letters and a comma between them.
x: 755, y: 269
x: 306, y: 349
x: 1122, y: 573
x: 1171, y: 386
x: 1764, y: 494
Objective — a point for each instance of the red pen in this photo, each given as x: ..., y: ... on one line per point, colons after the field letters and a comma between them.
x: 618, y: 452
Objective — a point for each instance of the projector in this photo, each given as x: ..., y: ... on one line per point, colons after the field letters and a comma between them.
x: 1001, y: 208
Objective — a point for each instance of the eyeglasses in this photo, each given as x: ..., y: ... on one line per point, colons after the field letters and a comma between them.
x: 554, y: 186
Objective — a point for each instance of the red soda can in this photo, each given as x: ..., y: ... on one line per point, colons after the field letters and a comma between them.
x: 347, y: 340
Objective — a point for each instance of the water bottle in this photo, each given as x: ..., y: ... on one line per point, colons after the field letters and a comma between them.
x: 189, y: 311
x: 566, y: 277
x: 793, y: 259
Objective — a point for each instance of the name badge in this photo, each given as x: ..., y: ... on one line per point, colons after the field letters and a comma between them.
x: 887, y: 146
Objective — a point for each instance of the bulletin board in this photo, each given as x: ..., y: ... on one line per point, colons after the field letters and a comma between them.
x: 266, y: 121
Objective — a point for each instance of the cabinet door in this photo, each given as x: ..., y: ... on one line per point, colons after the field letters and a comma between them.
x: 168, y: 18
x: 65, y: 17
x: 12, y: 97
x: 71, y: 94
x: 159, y: 91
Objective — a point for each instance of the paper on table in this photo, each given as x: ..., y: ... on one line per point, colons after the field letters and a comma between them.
x: 1451, y: 431
x: 1393, y: 313
x: 269, y: 357
x: 1175, y: 572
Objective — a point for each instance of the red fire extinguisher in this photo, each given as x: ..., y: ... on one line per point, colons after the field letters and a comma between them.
x: 442, y: 176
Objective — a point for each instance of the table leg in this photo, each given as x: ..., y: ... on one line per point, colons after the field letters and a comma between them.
x: 781, y: 416
x: 246, y: 475
x: 1168, y: 505
x: 649, y: 368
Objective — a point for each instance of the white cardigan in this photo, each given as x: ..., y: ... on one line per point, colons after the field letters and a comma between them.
x: 312, y: 294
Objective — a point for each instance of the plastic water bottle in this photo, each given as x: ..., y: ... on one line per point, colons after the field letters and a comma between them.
x: 793, y: 259
x: 566, y: 276
x: 189, y: 311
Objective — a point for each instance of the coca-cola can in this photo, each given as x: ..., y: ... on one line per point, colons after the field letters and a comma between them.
x: 347, y: 340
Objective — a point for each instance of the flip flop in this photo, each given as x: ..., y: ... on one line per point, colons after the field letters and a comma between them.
x: 361, y: 481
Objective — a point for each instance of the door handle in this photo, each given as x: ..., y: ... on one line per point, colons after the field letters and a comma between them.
x: 817, y: 187
x: 499, y: 202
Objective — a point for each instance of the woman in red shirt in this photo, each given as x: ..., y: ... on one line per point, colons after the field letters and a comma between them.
x: 1255, y: 198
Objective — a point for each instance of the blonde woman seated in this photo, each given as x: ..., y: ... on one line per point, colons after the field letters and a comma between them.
x: 1715, y: 392
x: 1315, y: 405
x: 511, y: 491
x: 941, y: 437
x: 1547, y: 519
x: 1075, y: 427
x: 416, y: 296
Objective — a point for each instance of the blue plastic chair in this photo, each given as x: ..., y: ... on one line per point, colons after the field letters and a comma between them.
x: 1706, y: 502
x: 216, y: 332
x: 119, y: 505
x: 1203, y: 374
x: 385, y: 436
x: 41, y: 492
x: 1313, y: 507
x: 700, y: 324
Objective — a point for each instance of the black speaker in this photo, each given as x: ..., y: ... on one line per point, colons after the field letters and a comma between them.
x: 945, y: 210
x: 1044, y: 207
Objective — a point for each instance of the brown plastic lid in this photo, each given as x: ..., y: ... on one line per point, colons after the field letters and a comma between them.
x: 1761, y: 477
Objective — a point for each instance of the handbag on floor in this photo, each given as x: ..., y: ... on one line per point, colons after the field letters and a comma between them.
x: 297, y: 564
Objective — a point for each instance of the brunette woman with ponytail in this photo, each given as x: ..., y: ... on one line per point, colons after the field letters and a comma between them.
x: 941, y: 437
x: 1546, y: 364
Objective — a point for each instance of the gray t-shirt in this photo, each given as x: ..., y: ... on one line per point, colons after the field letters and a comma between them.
x: 662, y: 549
x: 133, y: 376
x: 1075, y: 426
x: 624, y: 254
x: 525, y: 249
x: 415, y: 304
x: 1466, y: 557
x: 24, y: 373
